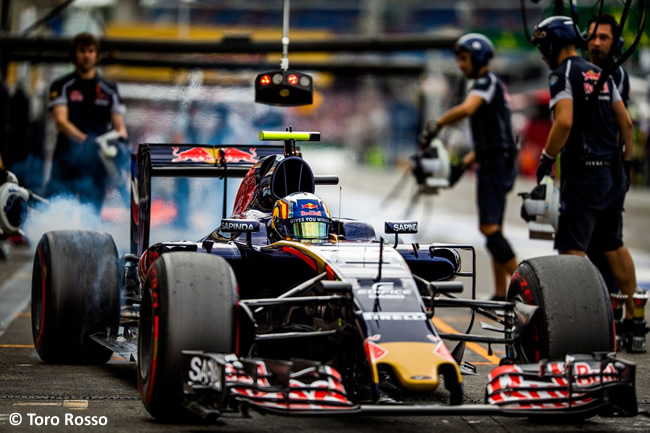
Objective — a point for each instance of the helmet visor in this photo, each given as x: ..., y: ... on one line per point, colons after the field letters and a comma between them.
x: 308, y: 228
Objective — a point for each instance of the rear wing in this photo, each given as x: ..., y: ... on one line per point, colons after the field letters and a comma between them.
x: 188, y: 160
x: 199, y: 160
x: 185, y: 160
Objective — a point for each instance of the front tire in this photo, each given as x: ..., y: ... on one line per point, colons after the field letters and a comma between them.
x: 188, y: 303
x: 574, y: 314
x: 75, y: 293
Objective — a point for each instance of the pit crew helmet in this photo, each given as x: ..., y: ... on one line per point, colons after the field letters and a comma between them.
x: 300, y: 216
x: 553, y: 34
x: 479, y: 47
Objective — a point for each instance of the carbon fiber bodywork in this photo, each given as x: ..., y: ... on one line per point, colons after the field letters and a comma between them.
x: 582, y: 386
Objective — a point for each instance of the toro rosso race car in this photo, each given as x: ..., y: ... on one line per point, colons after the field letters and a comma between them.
x: 285, y: 309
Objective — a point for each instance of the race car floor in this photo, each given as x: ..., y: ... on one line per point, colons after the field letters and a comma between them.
x: 32, y: 391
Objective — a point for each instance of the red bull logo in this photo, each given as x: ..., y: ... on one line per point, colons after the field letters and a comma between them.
x: 309, y: 206
x: 76, y: 96
x: 193, y: 154
x: 589, y: 89
x: 237, y: 155
x: 207, y: 155
x: 591, y: 75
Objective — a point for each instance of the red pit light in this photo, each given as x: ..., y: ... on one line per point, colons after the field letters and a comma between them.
x: 265, y: 80
x: 292, y: 79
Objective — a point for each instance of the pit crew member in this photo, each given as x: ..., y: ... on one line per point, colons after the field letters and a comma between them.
x: 83, y: 105
x: 584, y: 131
x: 598, y: 49
x: 494, y: 148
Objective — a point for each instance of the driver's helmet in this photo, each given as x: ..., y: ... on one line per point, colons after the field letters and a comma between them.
x: 300, y: 216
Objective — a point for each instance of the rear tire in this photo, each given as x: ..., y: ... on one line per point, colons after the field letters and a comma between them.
x: 75, y: 293
x: 188, y: 303
x: 574, y: 314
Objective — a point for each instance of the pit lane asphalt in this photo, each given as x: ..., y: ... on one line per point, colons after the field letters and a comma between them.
x: 28, y: 386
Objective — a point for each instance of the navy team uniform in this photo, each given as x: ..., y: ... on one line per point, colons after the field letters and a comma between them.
x: 622, y: 82
x: 494, y: 147
x: 76, y: 168
x: 592, y: 187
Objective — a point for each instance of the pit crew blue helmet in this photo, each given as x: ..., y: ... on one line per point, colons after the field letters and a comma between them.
x: 302, y: 217
x: 479, y: 47
x: 553, y: 34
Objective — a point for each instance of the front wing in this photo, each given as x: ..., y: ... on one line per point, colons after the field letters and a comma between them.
x: 582, y: 385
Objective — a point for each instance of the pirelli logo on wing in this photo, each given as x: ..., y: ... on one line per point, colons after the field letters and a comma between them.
x: 235, y: 225
x: 400, y: 227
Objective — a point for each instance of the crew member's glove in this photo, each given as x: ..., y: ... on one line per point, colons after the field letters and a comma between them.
x: 545, y: 166
x: 428, y: 133
x: 456, y: 173
x: 627, y: 168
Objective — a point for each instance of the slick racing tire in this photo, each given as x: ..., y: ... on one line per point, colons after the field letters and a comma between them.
x: 188, y: 303
x: 574, y: 314
x: 75, y: 293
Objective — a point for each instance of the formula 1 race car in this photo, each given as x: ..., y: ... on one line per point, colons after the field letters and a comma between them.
x: 285, y: 309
